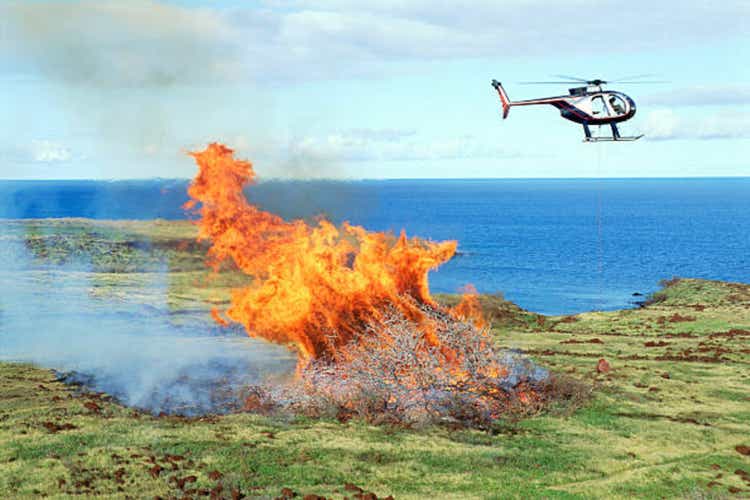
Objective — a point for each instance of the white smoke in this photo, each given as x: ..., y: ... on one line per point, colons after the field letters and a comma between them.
x: 124, y: 339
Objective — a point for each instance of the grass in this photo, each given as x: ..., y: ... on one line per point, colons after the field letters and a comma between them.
x: 663, y: 423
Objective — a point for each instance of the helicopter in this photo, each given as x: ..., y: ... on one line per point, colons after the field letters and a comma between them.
x: 588, y: 104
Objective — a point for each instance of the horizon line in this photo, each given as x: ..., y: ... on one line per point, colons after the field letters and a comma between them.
x: 383, y: 179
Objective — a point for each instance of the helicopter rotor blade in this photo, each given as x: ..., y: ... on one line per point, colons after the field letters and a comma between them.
x: 549, y: 83
x: 643, y: 82
x: 632, y: 77
x: 574, y: 78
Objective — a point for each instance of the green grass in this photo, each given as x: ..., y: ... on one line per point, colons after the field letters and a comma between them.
x: 641, y: 435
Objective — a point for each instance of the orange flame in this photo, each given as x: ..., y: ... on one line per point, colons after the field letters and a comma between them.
x: 313, y: 286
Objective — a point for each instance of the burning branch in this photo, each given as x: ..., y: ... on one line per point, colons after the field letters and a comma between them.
x: 392, y: 373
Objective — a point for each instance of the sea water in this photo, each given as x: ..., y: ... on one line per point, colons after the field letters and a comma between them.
x: 554, y: 246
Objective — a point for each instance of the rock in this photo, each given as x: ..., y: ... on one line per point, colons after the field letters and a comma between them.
x: 742, y: 449
x: 352, y: 487
x: 155, y: 470
x: 93, y: 407
x: 603, y: 366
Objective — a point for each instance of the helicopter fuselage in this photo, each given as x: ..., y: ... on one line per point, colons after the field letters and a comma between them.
x: 591, y: 106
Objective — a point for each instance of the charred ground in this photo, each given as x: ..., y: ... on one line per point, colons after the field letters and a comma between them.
x: 669, y: 418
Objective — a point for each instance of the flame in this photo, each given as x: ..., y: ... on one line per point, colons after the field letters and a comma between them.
x: 313, y: 286
x: 470, y: 309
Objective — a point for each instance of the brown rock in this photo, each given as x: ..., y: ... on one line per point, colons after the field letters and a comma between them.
x: 119, y: 473
x: 93, y: 407
x: 352, y: 487
x: 55, y: 427
x: 155, y: 470
x: 742, y: 449
x: 216, y: 491
x: 603, y: 366
x: 182, y: 481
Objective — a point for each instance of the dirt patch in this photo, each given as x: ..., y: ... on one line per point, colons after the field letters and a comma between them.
x: 92, y: 407
x: 54, y: 427
x: 653, y: 343
x: 575, y: 341
x: 682, y: 335
x: 687, y: 357
x: 654, y: 416
x: 351, y: 491
x: 730, y: 334
x: 550, y: 352
x: 678, y: 318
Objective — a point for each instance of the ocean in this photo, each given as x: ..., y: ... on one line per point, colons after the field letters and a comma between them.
x: 554, y: 246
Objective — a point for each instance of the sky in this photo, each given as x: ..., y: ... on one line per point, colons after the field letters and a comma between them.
x: 367, y: 89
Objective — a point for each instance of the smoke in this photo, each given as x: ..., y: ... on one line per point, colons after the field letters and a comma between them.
x: 118, y: 82
x: 119, y: 334
x: 138, y: 43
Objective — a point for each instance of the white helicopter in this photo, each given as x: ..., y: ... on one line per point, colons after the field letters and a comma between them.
x: 587, y: 105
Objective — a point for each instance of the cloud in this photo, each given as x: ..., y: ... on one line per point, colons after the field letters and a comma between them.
x: 40, y: 151
x: 390, y: 145
x: 143, y: 42
x: 666, y: 124
x: 45, y: 151
x: 702, y: 95
x: 428, y: 29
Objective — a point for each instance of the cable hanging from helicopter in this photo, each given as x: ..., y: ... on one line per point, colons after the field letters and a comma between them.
x: 586, y: 105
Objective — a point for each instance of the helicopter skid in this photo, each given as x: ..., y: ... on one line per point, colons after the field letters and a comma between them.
x: 612, y: 139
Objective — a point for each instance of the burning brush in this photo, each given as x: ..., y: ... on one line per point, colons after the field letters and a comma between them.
x: 356, y: 306
x: 392, y: 373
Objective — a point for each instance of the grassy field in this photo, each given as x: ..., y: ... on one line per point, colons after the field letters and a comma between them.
x: 670, y: 419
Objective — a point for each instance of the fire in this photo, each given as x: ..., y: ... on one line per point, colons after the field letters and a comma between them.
x: 313, y: 286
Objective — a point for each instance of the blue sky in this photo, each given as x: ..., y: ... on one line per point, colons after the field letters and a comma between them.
x: 370, y: 89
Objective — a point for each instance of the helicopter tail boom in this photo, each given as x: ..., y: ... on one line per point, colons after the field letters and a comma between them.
x: 503, y: 98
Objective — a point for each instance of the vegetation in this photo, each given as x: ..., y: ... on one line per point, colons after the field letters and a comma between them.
x: 669, y: 414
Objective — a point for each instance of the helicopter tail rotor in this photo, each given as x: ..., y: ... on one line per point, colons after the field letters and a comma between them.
x: 506, y: 102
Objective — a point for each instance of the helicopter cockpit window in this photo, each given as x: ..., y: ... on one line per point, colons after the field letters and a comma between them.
x: 597, y: 106
x: 617, y: 104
